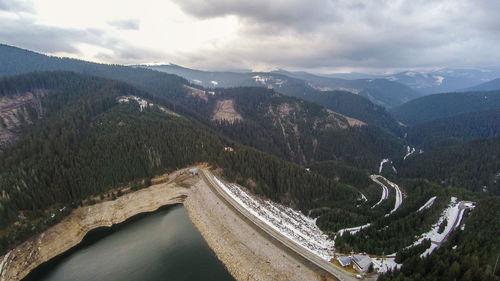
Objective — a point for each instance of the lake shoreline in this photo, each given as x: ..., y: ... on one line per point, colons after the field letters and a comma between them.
x: 90, y: 238
x: 246, y: 253
x: 71, y: 230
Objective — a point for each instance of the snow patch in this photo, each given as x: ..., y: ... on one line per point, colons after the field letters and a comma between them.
x: 382, y: 164
x: 453, y: 214
x: 300, y: 229
x: 399, y: 196
x: 439, y: 80
x: 352, y: 230
x: 382, y: 265
x: 363, y: 197
x: 428, y: 204
x: 409, y: 151
x: 394, y: 169
x: 269, y: 81
x: 385, y: 191
x: 142, y: 102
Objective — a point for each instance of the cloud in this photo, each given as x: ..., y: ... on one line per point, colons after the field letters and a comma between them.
x: 23, y: 32
x: 127, y: 24
x: 374, y: 34
x: 16, y: 6
x: 314, y: 35
x: 282, y: 14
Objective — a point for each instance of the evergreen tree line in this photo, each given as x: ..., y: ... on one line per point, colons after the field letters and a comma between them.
x: 301, y: 131
x: 474, y: 166
x: 400, y: 229
x: 86, y: 144
x: 455, y: 130
x: 467, y: 255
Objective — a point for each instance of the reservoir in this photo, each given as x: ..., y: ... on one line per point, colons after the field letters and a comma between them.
x: 164, y: 245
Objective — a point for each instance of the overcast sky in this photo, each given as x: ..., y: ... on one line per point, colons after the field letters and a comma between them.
x: 313, y: 35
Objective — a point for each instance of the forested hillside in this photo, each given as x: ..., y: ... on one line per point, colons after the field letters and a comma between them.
x: 379, y: 91
x: 354, y: 106
x: 455, y: 130
x: 439, y: 106
x: 468, y: 254
x: 474, y: 165
x: 77, y: 151
x: 15, y: 61
x: 389, y: 234
x: 75, y: 142
x: 487, y: 86
x: 288, y: 83
x: 302, y: 131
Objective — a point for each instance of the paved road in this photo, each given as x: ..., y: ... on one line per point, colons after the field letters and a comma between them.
x: 325, y: 265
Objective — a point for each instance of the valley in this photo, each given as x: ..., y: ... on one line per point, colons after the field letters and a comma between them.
x: 300, y: 179
x: 259, y: 251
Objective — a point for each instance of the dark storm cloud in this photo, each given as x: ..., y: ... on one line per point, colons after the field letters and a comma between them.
x: 283, y: 14
x: 354, y: 33
x: 128, y: 24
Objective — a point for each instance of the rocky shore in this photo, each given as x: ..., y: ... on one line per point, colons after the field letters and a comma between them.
x: 247, y: 253
x: 71, y: 230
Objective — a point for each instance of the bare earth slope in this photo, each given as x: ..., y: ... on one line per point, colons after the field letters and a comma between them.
x: 71, y: 230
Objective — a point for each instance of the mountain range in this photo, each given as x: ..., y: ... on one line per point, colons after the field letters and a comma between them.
x: 434, y: 81
x: 72, y: 131
x: 379, y: 91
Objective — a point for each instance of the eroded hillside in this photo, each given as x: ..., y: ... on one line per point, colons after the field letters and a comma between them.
x: 18, y: 109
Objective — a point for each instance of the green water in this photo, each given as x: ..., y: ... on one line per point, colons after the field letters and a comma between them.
x: 163, y: 245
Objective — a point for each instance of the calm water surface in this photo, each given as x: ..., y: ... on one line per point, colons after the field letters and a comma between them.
x: 164, y: 245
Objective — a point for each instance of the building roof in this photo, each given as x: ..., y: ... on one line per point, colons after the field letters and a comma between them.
x: 344, y: 261
x: 362, y: 261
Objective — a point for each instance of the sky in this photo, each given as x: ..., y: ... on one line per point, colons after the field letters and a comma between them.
x: 320, y: 36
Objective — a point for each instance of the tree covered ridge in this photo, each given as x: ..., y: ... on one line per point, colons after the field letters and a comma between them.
x: 474, y: 165
x: 467, y: 255
x: 16, y: 61
x: 440, y: 106
x: 455, y: 130
x: 300, y: 131
x: 88, y: 143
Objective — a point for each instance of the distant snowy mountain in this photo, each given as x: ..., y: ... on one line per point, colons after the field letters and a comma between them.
x: 379, y: 91
x: 435, y: 81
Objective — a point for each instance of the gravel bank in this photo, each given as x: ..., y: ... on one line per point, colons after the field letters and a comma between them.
x: 247, y: 253
x: 71, y: 230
